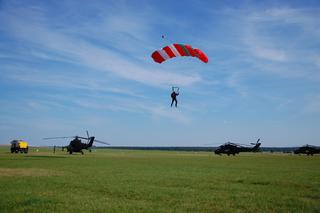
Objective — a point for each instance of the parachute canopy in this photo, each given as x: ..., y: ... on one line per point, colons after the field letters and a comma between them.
x: 175, y: 50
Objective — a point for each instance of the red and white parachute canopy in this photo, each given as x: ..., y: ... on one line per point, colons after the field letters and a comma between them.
x: 175, y: 50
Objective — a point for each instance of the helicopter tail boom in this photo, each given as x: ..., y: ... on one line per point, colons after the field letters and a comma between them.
x: 257, y: 145
x: 91, y: 140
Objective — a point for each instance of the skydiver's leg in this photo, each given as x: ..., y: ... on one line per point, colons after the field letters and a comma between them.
x: 176, y: 102
x: 172, y: 102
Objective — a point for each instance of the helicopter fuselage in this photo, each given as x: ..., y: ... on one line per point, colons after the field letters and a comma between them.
x: 308, y: 150
x: 233, y: 149
x: 77, y: 146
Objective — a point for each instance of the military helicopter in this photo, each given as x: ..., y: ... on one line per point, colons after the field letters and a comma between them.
x: 230, y: 148
x: 307, y: 149
x: 76, y: 145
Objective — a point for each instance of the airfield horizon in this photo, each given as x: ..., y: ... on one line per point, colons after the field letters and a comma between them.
x: 117, y: 180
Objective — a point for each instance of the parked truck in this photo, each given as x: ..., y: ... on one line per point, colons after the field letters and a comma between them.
x: 19, y: 146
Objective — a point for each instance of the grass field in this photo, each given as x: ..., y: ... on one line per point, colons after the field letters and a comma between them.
x: 158, y: 181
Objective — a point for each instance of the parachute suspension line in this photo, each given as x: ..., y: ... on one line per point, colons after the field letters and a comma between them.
x: 175, y: 89
x: 165, y: 40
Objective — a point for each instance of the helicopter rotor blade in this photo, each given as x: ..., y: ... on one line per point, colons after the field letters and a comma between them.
x: 58, y: 137
x: 83, y: 137
x: 101, y: 142
x: 242, y: 144
x: 208, y: 144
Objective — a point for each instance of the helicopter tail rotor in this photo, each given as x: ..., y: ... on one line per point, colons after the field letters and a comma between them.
x: 255, y: 142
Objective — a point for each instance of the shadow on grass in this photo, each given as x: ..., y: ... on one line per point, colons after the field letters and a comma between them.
x: 43, y: 156
x: 256, y: 182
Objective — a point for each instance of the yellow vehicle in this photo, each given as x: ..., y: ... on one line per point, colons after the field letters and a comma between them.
x: 19, y: 146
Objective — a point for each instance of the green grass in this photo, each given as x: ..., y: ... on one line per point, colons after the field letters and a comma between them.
x: 158, y: 181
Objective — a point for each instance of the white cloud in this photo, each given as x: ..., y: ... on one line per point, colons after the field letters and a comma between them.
x: 269, y: 53
x: 264, y: 46
x: 279, y: 39
x: 168, y: 113
x: 40, y: 36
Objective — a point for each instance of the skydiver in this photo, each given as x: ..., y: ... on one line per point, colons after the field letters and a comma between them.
x: 174, y: 95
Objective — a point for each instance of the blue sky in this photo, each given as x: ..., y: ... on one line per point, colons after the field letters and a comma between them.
x: 71, y: 66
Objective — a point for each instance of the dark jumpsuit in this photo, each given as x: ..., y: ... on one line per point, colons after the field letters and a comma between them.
x: 174, y: 98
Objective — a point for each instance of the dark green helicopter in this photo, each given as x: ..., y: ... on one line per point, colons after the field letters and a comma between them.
x: 235, y: 148
x: 76, y: 144
x: 307, y: 149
